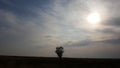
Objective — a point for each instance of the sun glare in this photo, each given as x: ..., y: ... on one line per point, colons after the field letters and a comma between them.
x: 93, y: 18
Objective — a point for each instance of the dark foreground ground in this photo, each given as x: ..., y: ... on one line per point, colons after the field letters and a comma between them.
x: 42, y: 62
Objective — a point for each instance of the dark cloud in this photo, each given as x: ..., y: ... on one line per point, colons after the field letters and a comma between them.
x: 113, y: 22
x: 24, y: 8
x: 79, y: 43
x: 48, y: 36
x: 112, y: 41
x: 89, y: 42
x: 107, y: 30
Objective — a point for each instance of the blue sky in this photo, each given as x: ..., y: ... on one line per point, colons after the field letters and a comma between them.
x: 36, y: 28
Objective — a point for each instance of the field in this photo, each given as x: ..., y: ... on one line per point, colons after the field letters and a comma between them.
x: 53, y: 62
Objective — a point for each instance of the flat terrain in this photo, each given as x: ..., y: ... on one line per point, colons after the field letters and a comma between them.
x: 52, y: 62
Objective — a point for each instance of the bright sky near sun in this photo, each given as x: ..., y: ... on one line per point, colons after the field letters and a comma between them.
x: 85, y: 28
x: 94, y: 18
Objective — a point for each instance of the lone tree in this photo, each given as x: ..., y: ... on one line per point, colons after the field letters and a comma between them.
x: 59, y: 51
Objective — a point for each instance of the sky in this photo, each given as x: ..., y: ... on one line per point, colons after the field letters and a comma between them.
x: 85, y: 28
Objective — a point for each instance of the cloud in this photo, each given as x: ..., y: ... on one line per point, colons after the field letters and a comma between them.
x: 113, y: 22
x: 78, y: 43
x: 38, y: 27
x: 112, y: 41
x: 15, y: 33
x: 21, y: 36
x: 88, y: 42
x: 94, y: 50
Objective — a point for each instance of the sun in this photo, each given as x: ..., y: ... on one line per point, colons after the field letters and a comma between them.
x: 94, y: 18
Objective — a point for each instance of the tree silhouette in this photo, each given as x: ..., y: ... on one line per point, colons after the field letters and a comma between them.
x: 59, y: 51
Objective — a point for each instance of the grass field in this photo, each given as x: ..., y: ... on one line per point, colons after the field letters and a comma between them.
x: 53, y: 62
